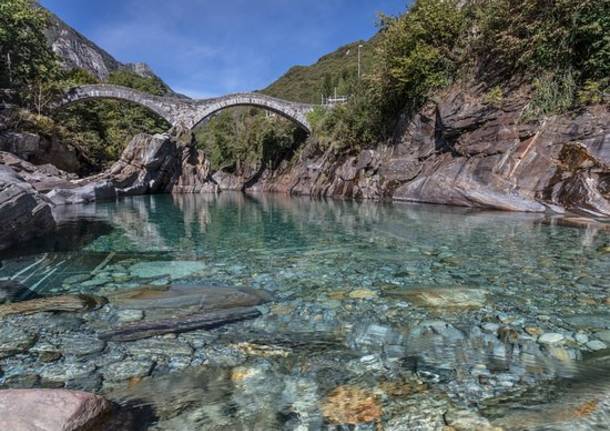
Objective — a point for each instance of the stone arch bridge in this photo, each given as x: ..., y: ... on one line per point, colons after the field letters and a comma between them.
x: 187, y: 112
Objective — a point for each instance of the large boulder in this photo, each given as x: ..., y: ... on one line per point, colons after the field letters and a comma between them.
x: 24, y: 212
x: 162, y: 163
x: 147, y: 165
x: 42, y: 177
x: 82, y: 192
x: 195, y: 174
x: 50, y: 410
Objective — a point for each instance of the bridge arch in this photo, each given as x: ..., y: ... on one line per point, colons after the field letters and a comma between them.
x: 296, y: 112
x: 167, y: 108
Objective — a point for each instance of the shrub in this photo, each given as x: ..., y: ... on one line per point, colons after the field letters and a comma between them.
x: 592, y: 92
x: 494, y: 96
x: 552, y: 94
x: 417, y: 53
x: 531, y: 36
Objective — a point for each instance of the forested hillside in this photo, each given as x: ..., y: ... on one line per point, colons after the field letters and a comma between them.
x: 337, y: 70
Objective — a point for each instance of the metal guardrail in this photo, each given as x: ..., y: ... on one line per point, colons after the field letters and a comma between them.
x: 330, y: 101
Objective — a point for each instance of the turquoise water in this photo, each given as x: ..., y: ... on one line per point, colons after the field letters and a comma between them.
x: 268, y: 241
x: 347, y: 271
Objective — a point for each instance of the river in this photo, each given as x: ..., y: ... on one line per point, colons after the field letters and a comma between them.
x: 375, y: 316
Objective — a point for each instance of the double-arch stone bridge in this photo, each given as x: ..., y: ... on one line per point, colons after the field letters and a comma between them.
x: 188, y: 112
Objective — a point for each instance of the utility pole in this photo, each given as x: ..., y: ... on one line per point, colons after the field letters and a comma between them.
x: 10, y: 70
x: 359, y: 57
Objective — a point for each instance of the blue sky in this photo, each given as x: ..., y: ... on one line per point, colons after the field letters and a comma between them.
x: 206, y: 48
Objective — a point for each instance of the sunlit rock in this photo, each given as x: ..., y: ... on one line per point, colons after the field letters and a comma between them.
x: 351, y: 405
x: 49, y: 410
x: 453, y: 297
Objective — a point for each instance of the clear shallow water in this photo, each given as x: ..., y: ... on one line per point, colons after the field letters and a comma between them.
x: 349, y: 322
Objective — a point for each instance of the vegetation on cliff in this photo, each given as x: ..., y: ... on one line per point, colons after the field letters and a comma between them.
x: 335, y: 71
x: 104, y: 127
x: 559, y: 48
x: 243, y: 138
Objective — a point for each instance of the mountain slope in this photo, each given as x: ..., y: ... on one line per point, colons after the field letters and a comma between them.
x: 335, y: 70
x: 77, y: 52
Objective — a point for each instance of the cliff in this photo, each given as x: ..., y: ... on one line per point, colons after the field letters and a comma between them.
x: 463, y: 150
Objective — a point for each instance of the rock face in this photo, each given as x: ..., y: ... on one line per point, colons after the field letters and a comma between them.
x: 42, y: 177
x: 41, y: 150
x: 459, y: 151
x: 164, y: 163
x: 50, y: 410
x: 24, y: 212
x: 463, y: 151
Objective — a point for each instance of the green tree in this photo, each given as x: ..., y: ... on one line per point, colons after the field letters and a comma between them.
x: 25, y: 56
x: 417, y: 53
x: 104, y: 127
x: 525, y: 37
x: 238, y: 138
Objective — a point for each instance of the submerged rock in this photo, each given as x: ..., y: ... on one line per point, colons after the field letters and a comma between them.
x: 50, y: 410
x: 175, y: 269
x: 60, y: 373
x: 15, y: 340
x: 351, y: 405
x: 434, y: 297
x: 13, y: 291
x: 192, y: 298
x: 124, y: 370
x: 590, y: 321
x: 67, y: 303
x: 175, y: 325
x: 81, y: 345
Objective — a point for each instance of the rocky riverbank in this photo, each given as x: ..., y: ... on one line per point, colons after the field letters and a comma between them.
x: 461, y: 150
x: 465, y: 151
x: 366, y: 356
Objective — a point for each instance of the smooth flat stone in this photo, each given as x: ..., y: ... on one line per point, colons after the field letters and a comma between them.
x: 441, y: 297
x: 176, y: 297
x: 175, y: 269
x: 49, y: 410
x: 551, y: 338
x: 590, y: 321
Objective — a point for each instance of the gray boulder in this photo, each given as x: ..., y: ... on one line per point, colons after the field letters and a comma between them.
x: 162, y: 163
x: 24, y: 212
x: 83, y: 192
x: 13, y: 291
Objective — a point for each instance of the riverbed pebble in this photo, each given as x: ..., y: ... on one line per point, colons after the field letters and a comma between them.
x: 551, y: 338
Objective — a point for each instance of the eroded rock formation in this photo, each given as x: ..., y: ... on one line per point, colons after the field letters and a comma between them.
x: 459, y: 151
x: 463, y: 151
x: 164, y: 163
